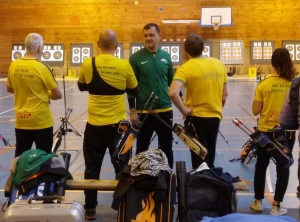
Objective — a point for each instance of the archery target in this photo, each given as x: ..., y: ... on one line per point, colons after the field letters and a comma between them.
x: 257, y: 52
x: 206, y: 51
x: 267, y: 52
x: 175, y: 50
x: 175, y: 53
x: 76, y: 51
x: 135, y: 49
x: 227, y: 53
x: 57, y: 55
x: 297, y: 52
x: 118, y: 52
x: 52, y: 53
x: 76, y: 59
x: 166, y: 49
x: 291, y: 50
x: 46, y: 55
x: 85, y: 53
x: 76, y: 55
x: 17, y: 51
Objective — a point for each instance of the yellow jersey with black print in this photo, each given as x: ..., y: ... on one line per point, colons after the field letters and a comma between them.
x: 203, y: 80
x: 271, y: 92
x: 107, y: 78
x: 31, y: 80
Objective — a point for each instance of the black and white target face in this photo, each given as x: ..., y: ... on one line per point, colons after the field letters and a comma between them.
x: 297, y: 52
x: 17, y: 55
x: 85, y: 52
x: 175, y: 53
x: 206, y: 52
x: 46, y: 55
x: 57, y: 55
x: 76, y: 53
x: 166, y: 49
x: 18, y: 51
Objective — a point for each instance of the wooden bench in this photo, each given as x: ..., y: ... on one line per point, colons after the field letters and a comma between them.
x: 110, y: 185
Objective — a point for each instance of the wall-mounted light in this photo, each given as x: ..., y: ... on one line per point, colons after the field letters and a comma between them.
x: 178, y: 21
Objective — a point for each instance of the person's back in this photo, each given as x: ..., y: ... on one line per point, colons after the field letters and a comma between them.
x: 268, y: 101
x: 205, y: 82
x: 106, y: 104
x: 271, y: 92
x: 33, y: 85
x: 204, y: 86
x: 30, y: 85
x: 106, y: 78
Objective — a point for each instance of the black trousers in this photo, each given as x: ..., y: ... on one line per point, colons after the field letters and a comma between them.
x: 96, y: 140
x: 43, y: 139
x: 207, y: 129
x: 263, y: 160
x: 164, y: 134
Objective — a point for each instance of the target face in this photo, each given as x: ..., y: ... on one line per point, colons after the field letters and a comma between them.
x: 76, y: 58
x: 290, y: 48
x: 175, y: 50
x: 57, y: 55
x: 135, y: 49
x: 84, y: 57
x: 174, y: 57
x: 76, y: 51
x: 46, y: 55
x: 85, y: 51
x: 205, y: 49
x: 165, y: 49
x: 17, y: 55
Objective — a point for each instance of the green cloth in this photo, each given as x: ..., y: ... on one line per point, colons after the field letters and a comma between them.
x: 29, y: 163
x: 154, y: 73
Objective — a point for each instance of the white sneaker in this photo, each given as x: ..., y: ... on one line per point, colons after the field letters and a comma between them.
x: 257, y: 206
x: 203, y: 166
x: 281, y: 210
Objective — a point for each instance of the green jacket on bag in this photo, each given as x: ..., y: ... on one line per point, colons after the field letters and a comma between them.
x: 29, y: 163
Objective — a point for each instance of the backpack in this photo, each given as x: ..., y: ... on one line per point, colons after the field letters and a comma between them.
x: 208, y: 192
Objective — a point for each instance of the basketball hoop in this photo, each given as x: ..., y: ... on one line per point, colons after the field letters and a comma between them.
x: 216, y: 25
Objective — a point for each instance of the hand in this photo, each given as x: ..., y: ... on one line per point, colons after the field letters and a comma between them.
x: 134, y: 118
x: 187, y: 111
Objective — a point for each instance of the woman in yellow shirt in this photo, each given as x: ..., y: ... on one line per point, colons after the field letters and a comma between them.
x: 268, y: 101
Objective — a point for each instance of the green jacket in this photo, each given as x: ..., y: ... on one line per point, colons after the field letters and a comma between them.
x: 154, y: 74
x: 29, y: 163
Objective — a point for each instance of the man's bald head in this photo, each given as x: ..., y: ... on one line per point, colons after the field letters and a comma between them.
x: 108, y: 39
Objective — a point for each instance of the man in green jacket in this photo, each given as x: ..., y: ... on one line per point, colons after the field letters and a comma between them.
x: 154, y: 71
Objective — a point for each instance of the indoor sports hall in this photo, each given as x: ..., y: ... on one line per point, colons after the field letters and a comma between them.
x: 241, y: 34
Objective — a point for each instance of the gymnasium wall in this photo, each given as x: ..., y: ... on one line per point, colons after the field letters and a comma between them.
x: 70, y: 21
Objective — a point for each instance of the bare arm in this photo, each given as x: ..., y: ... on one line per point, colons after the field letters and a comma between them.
x: 174, y: 95
x: 55, y: 93
x: 257, y: 107
x: 224, y: 94
x: 9, y: 89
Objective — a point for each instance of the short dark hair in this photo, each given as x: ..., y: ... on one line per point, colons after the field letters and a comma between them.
x: 194, y: 45
x: 283, y: 64
x: 149, y: 25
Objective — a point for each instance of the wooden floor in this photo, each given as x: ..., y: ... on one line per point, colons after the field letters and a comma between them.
x: 238, y: 105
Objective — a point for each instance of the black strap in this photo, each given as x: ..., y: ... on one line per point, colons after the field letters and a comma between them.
x: 99, y: 87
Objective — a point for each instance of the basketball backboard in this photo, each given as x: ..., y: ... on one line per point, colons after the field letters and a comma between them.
x: 216, y: 15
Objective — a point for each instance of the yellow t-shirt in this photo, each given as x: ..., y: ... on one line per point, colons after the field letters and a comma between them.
x: 31, y: 80
x: 271, y: 92
x: 108, y: 109
x: 203, y: 79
